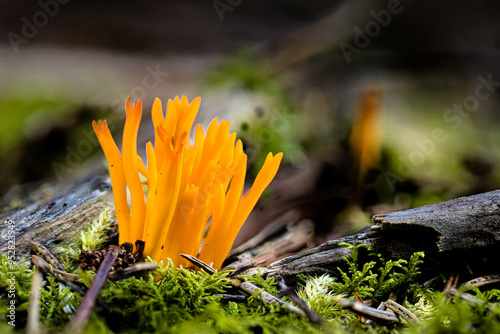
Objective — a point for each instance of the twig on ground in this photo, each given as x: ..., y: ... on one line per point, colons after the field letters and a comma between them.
x: 33, y: 325
x: 367, y: 310
x: 79, y: 322
x: 286, y: 291
x: 468, y: 297
x: 247, y: 287
x: 481, y: 281
x: 403, y: 312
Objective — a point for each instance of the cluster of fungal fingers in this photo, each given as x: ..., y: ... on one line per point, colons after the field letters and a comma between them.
x: 194, y: 202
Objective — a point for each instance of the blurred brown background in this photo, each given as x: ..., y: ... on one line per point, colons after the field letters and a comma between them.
x: 305, y: 66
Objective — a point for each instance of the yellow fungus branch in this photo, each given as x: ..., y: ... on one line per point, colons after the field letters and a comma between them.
x: 194, y: 202
x: 117, y: 176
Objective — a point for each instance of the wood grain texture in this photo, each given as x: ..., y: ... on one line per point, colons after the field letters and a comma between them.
x: 461, y: 223
x: 461, y: 231
x: 55, y: 219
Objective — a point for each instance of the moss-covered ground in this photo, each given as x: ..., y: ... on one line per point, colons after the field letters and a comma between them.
x: 178, y: 300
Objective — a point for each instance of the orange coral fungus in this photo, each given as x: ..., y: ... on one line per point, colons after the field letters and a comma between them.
x: 194, y: 203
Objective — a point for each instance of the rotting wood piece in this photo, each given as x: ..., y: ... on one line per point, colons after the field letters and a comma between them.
x: 463, y: 229
x: 56, y: 220
x: 461, y: 223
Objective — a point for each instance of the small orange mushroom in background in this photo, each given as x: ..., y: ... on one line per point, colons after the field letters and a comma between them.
x: 194, y: 203
x: 366, y: 135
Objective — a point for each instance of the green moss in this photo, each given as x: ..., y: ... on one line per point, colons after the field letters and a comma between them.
x: 55, y: 299
x: 319, y: 296
x: 374, y: 279
x: 15, y: 282
x: 177, y: 295
x: 94, y: 237
x: 453, y: 315
x: 392, y: 275
x: 178, y: 300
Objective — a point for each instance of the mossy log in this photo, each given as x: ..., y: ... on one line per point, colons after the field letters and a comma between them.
x: 56, y: 215
x: 460, y: 232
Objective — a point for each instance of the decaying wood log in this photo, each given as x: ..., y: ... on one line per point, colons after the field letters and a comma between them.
x: 461, y: 223
x: 55, y: 219
x: 462, y: 229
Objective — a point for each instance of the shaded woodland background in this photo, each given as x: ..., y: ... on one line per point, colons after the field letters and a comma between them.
x: 278, y: 70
